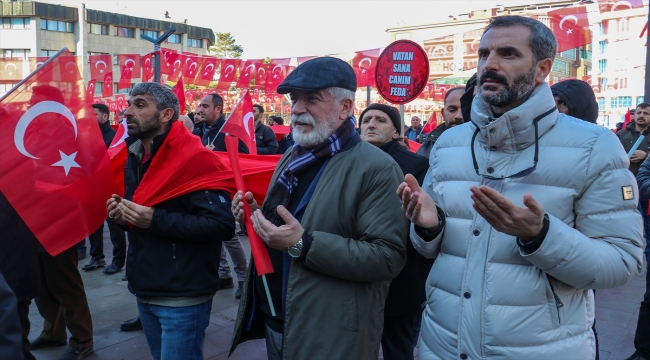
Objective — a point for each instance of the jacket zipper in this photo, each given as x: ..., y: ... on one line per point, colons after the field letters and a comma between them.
x: 174, y: 251
x: 558, y: 303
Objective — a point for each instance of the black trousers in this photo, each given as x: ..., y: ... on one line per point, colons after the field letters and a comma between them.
x: 23, y: 314
x: 118, y: 238
x: 642, y: 336
x: 400, y: 336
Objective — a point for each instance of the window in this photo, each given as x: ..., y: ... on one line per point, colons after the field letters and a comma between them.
x: 174, y: 38
x: 603, y: 83
x: 99, y: 29
x: 123, y: 32
x: 639, y: 99
x: 48, y: 52
x: 561, y: 66
x: 571, y: 54
x: 150, y: 33
x: 54, y: 25
x: 585, y: 54
x: 16, y: 53
x: 602, y: 46
x: 195, y: 42
x: 601, y: 104
x: 624, y: 101
x: 15, y: 23
x: 602, y: 28
x: 613, y: 102
x: 602, y: 65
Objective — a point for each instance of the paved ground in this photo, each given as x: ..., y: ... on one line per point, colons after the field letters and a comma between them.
x: 111, y: 303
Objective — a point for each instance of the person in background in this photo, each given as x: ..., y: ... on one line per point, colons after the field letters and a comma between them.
x: 452, y: 116
x: 264, y: 137
x: 414, y: 132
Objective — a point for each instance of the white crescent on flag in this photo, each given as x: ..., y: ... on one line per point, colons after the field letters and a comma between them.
x: 619, y: 3
x: 568, y: 17
x: 29, y: 116
x: 120, y: 136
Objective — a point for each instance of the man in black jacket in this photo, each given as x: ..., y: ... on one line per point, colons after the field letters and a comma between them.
x: 265, y: 139
x: 174, y: 246
x: 452, y: 116
x: 210, y: 115
x: 380, y: 126
x: 117, y: 234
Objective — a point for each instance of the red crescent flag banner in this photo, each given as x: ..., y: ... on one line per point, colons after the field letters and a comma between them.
x: 241, y: 122
x: 263, y: 263
x: 169, y: 60
x: 571, y: 27
x: 206, y: 75
x: 11, y: 69
x: 179, y: 90
x: 304, y: 58
x: 364, y: 65
x: 90, y: 90
x: 276, y: 74
x: 107, y: 87
x: 129, y: 69
x: 260, y: 76
x: 100, y: 65
x: 228, y: 73
x: 147, y: 67
x: 616, y: 5
x: 191, y: 67
x: 431, y: 124
x: 280, y: 131
x: 247, y: 73
x: 57, y: 180
x: 117, y: 153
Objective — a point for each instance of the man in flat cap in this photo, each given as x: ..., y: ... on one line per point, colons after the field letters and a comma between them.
x: 380, y: 125
x: 333, y: 251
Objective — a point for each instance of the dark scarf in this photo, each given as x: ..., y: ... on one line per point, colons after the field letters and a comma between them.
x: 300, y: 160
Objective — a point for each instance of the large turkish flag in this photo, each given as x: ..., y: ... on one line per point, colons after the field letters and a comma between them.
x: 364, y: 64
x: 54, y: 168
x: 100, y: 65
x: 241, y: 122
x: 571, y: 27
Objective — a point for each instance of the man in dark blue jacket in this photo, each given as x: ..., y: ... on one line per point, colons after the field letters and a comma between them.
x: 380, y: 126
x: 174, y: 249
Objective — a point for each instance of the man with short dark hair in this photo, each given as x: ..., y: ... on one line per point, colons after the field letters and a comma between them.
x: 265, y: 139
x: 332, y: 227
x: 543, y: 212
x: 118, y: 238
x: 380, y: 126
x: 209, y: 123
x: 452, y: 116
x: 176, y: 206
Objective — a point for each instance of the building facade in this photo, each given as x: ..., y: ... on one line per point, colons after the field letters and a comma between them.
x: 614, y: 62
x: 33, y: 29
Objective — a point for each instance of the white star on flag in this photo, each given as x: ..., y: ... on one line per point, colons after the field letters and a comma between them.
x: 67, y: 162
x: 570, y: 31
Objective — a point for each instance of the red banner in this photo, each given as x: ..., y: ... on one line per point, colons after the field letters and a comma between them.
x: 107, y: 89
x: 147, y: 67
x: 100, y: 65
x: 11, y: 69
x: 129, y: 69
x: 228, y: 73
x: 276, y: 74
x: 208, y: 69
x: 364, y: 65
x: 248, y: 73
x: 571, y: 27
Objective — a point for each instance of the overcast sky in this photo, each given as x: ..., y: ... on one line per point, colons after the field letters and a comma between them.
x: 298, y: 28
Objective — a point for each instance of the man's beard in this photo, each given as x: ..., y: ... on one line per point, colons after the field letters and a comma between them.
x: 319, y: 133
x: 511, y: 95
x: 145, y: 129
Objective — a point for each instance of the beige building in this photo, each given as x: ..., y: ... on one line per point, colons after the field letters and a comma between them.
x: 618, y: 57
x: 32, y: 29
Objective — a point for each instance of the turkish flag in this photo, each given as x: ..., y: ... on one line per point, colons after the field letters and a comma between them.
x: 169, y: 61
x: 571, y: 27
x: 107, y: 89
x: 177, y: 68
x: 100, y: 65
x: 190, y: 67
x: 276, y: 74
x: 91, y: 88
x: 210, y: 64
x: 179, y: 90
x: 241, y: 123
x: 413, y: 146
x: 11, y: 69
x: 263, y: 263
x: 54, y: 170
x: 118, y: 153
x: 431, y: 124
x: 147, y: 67
x: 228, y: 73
x: 129, y: 69
x: 247, y: 73
x: 364, y: 65
x: 280, y: 131
x: 616, y: 5
x: 260, y: 77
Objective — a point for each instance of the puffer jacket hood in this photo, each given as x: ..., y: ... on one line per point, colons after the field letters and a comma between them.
x: 579, y: 97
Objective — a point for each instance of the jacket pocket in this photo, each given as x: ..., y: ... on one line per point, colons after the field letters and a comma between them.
x: 554, y: 302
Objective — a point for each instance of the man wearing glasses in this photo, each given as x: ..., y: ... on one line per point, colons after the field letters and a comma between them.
x: 534, y: 211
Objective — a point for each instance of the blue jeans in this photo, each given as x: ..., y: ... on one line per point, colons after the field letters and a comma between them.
x: 175, y: 332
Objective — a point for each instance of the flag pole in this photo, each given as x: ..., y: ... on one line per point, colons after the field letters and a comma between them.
x: 33, y: 72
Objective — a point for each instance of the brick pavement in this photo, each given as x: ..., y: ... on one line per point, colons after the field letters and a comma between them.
x: 111, y: 303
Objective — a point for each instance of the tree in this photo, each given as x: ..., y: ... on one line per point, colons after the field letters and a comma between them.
x: 225, y: 46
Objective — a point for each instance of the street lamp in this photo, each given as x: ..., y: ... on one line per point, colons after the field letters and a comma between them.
x: 156, y: 50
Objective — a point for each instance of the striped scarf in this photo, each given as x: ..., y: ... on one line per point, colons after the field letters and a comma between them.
x: 302, y: 159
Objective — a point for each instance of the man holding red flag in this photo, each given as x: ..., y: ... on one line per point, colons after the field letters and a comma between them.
x: 452, y: 116
x: 331, y: 271
x: 176, y: 207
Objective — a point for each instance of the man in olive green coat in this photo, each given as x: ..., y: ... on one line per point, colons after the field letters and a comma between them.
x: 331, y: 223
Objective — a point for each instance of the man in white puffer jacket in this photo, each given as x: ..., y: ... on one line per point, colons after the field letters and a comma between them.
x: 525, y: 210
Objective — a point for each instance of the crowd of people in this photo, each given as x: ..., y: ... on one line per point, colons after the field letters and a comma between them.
x: 490, y: 242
